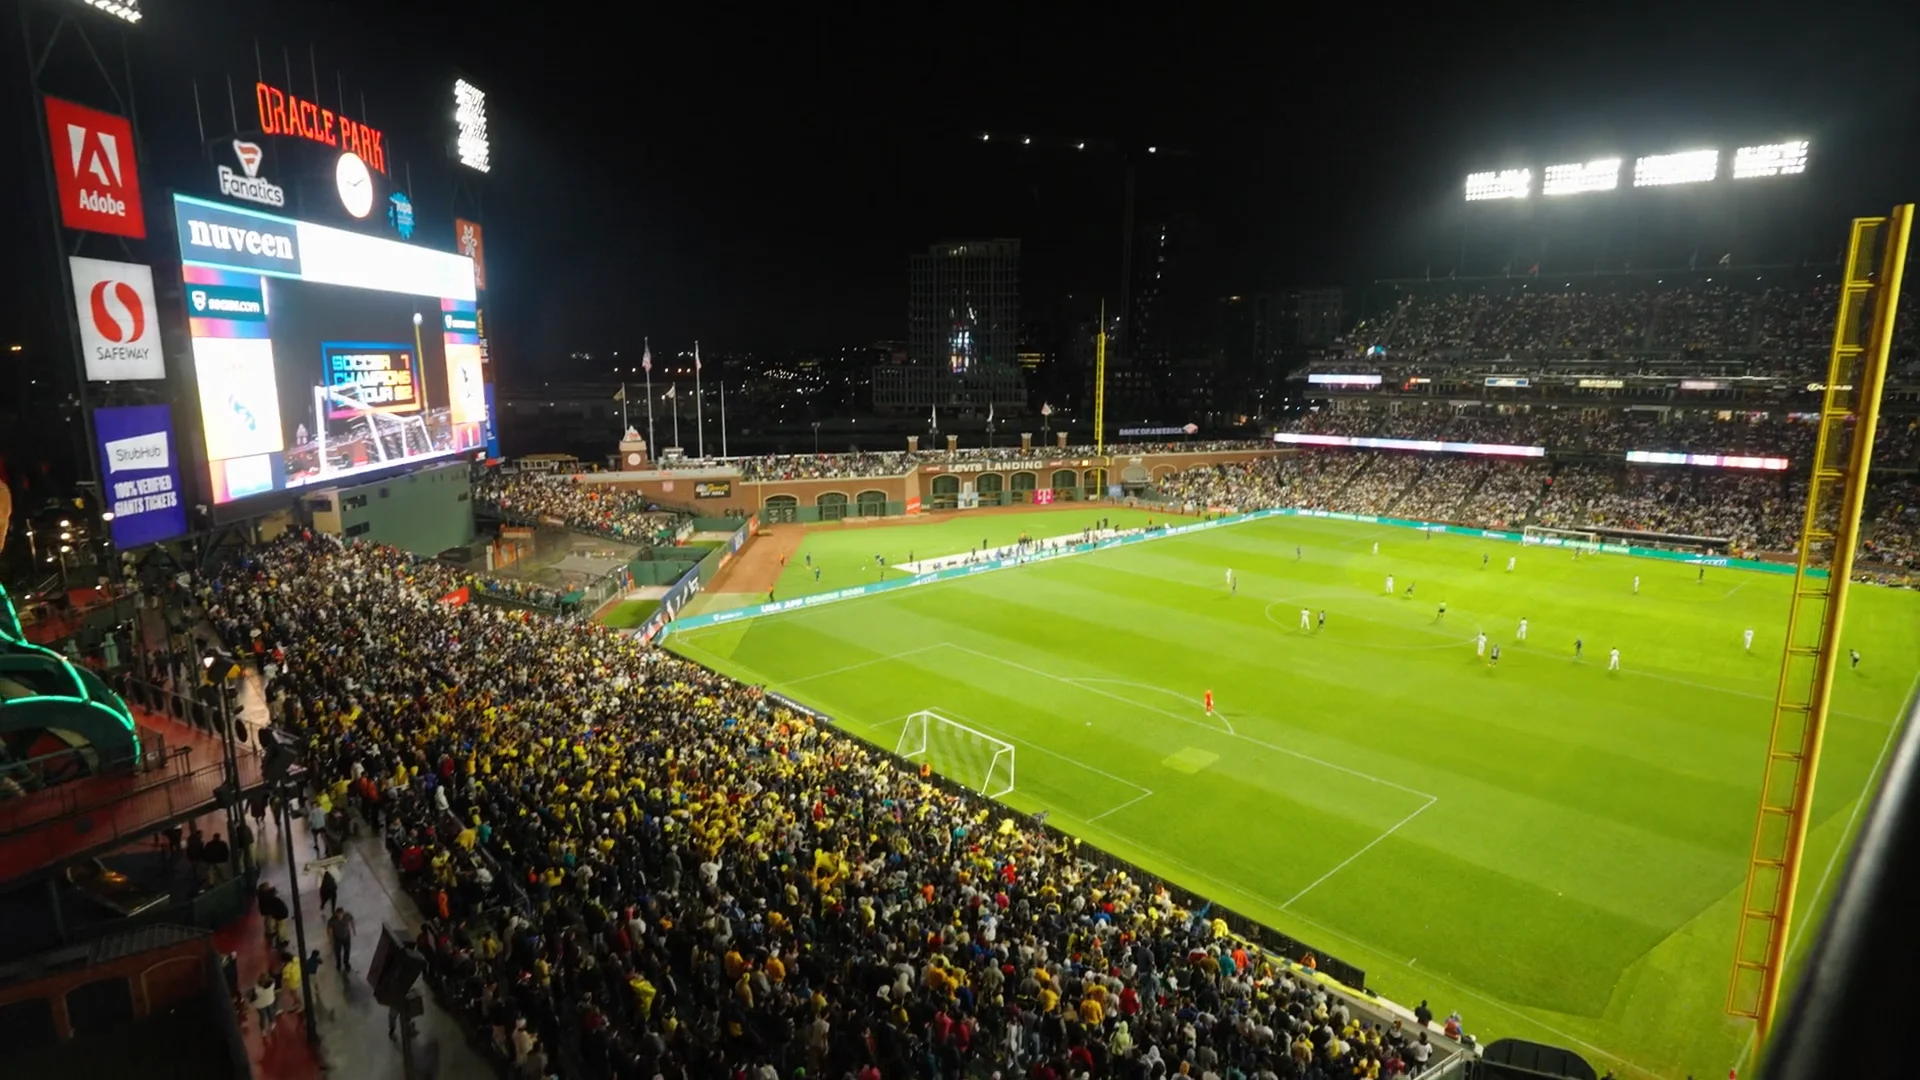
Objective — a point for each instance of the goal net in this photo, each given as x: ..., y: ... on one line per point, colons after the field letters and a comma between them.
x: 958, y: 752
x: 1578, y: 539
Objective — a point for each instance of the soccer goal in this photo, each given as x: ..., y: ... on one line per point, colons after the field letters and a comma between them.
x: 1577, y: 539
x: 958, y: 752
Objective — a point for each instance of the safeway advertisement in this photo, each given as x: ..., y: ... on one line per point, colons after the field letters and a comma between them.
x: 94, y: 171
x: 118, y: 330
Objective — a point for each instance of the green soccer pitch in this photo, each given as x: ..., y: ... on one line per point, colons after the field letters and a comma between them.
x: 1554, y: 849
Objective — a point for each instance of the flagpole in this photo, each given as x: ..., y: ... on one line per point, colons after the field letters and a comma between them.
x: 723, y: 418
x: 623, y: 407
x: 646, y: 365
x: 676, y: 412
x: 699, y: 404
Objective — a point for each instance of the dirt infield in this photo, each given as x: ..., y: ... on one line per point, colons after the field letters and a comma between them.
x: 758, y: 566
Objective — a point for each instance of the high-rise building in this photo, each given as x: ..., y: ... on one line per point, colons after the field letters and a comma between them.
x: 963, y: 332
x: 963, y: 307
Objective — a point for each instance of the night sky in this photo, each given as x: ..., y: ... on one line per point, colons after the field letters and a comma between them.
x: 758, y: 180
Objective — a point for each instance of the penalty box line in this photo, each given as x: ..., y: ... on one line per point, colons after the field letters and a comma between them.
x: 1081, y: 685
x: 1428, y: 796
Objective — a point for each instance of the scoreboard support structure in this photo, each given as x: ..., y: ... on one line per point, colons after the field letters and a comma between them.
x: 1829, y: 537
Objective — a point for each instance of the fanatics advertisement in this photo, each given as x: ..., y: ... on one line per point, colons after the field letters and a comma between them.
x: 142, y: 474
x: 321, y: 354
x: 93, y: 170
x: 118, y: 331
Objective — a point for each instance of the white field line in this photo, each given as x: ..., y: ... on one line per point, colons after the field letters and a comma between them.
x: 1148, y: 539
x: 1840, y: 845
x: 1394, y: 828
x: 1428, y: 974
x: 1677, y: 681
x: 1745, y: 1049
x: 1218, y: 714
x: 1119, y: 808
x: 1189, y: 720
x: 861, y: 664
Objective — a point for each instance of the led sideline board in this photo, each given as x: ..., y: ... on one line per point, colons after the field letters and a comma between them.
x: 1690, y: 167
x: 1770, y: 159
x: 321, y: 354
x: 1721, y: 461
x: 1582, y: 177
x: 1429, y: 446
x: 1500, y: 184
x: 1344, y: 380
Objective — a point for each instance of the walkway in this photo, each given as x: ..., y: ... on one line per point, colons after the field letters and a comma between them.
x: 84, y: 816
x: 353, y: 1027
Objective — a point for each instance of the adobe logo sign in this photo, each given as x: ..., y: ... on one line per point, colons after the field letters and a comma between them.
x: 94, y: 170
x: 118, y: 330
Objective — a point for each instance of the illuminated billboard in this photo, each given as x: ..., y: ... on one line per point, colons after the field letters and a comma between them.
x: 1431, y: 446
x: 1343, y: 380
x: 321, y: 354
x: 1718, y: 461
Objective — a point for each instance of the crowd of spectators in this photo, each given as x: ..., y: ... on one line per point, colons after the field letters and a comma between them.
x: 1374, y: 486
x: 895, y: 462
x: 593, y: 508
x: 1751, y: 510
x: 1595, y: 430
x: 520, y: 591
x: 1443, y: 484
x: 633, y: 867
x: 1699, y: 312
x: 1505, y: 499
x: 1747, y: 512
x: 822, y: 466
x: 1893, y: 537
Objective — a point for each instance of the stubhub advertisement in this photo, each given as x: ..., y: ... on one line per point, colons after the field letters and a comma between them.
x: 141, y: 470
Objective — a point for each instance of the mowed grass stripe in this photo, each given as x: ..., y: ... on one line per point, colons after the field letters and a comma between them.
x: 1297, y: 677
x: 1581, y: 865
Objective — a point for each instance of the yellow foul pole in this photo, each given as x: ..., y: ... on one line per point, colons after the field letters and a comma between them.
x: 1100, y: 385
x: 1829, y: 536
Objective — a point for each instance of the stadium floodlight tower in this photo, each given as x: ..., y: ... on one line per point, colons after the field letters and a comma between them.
x: 1829, y: 537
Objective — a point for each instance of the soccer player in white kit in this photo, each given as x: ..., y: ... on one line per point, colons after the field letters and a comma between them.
x: 1389, y: 584
x: 1749, y: 638
x: 1480, y: 644
x: 1613, y: 660
x: 1306, y: 619
x: 1233, y: 587
x: 1510, y: 561
x: 1376, y: 547
x: 1522, y: 635
x: 1636, y: 584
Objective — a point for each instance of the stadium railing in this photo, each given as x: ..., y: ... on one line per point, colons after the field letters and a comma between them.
x: 1851, y: 1013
